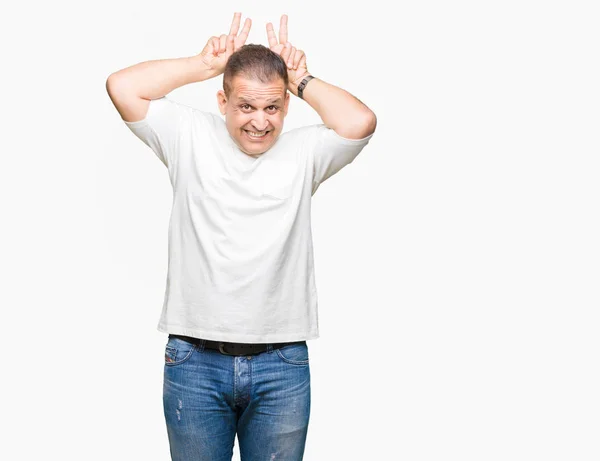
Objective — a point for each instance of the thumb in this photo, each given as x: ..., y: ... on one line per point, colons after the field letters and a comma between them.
x: 302, y: 62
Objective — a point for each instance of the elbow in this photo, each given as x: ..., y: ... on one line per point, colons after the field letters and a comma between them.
x: 111, y: 84
x: 118, y: 83
x: 361, y: 127
x: 370, y: 123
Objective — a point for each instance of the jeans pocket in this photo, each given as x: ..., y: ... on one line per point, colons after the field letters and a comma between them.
x: 178, y: 351
x: 295, y: 354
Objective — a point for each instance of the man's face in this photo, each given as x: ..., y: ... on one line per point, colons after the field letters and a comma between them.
x: 254, y: 113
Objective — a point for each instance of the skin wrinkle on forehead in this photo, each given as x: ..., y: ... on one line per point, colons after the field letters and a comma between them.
x: 273, y: 97
x: 275, y: 89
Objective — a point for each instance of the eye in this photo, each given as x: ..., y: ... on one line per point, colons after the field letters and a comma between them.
x: 245, y: 106
x: 272, y: 107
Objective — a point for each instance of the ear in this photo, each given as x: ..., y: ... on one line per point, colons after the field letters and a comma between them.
x: 222, y: 101
x: 286, y: 104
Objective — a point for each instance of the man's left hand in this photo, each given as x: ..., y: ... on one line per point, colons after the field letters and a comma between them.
x: 295, y: 59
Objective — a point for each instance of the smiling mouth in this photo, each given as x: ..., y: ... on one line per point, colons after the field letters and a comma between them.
x: 257, y: 134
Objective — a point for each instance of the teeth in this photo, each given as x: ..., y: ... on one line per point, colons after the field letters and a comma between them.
x: 255, y: 134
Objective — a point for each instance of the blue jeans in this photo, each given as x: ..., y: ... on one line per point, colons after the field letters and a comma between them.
x: 209, y: 397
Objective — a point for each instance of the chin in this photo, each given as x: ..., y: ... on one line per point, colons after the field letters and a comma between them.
x: 254, y: 149
x: 254, y: 153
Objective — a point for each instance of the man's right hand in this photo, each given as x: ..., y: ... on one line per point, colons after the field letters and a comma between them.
x: 218, y: 49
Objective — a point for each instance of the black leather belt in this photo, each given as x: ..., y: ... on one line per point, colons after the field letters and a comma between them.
x: 233, y: 348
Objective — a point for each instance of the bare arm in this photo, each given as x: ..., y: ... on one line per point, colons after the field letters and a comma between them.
x: 132, y: 88
x: 339, y: 110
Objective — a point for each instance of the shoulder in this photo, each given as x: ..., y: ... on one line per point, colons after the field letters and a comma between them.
x: 301, y: 134
x: 212, y: 119
x: 304, y: 130
x: 319, y: 133
x: 168, y: 105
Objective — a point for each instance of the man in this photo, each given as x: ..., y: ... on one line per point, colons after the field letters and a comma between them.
x: 240, y: 300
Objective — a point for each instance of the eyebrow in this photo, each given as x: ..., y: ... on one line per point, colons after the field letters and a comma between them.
x: 250, y: 100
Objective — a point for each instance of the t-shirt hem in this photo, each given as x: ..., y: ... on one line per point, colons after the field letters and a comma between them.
x: 137, y: 123
x: 350, y: 141
x: 236, y: 337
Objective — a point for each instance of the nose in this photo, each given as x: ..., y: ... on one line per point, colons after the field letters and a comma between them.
x: 260, y: 121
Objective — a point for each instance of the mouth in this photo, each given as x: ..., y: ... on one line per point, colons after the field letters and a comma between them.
x: 257, y: 135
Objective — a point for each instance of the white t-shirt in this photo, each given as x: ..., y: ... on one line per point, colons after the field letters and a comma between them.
x: 240, y: 256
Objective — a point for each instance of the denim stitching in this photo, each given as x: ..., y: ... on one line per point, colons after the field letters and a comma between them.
x: 294, y: 362
x: 177, y: 362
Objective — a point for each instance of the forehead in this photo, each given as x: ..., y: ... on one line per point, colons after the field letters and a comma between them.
x: 255, y: 90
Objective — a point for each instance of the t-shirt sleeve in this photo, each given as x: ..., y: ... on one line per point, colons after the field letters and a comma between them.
x: 162, y: 128
x: 331, y: 152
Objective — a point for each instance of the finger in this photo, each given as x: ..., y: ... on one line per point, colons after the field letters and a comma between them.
x: 222, y: 43
x: 271, y: 36
x: 235, y: 24
x: 215, y: 45
x: 278, y: 49
x: 290, y: 59
x: 302, y: 63
x: 283, y: 29
x: 285, y: 53
x: 297, y: 58
x: 241, y: 39
x: 230, y: 43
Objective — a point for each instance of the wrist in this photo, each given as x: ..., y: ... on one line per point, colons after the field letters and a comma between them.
x: 202, y: 71
x: 293, y: 85
x: 302, y: 84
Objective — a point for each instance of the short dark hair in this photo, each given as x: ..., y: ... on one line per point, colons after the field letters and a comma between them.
x: 254, y: 62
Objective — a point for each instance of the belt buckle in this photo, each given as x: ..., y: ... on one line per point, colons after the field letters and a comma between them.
x: 222, y: 350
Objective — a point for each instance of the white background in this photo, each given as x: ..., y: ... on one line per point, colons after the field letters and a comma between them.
x: 457, y: 257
